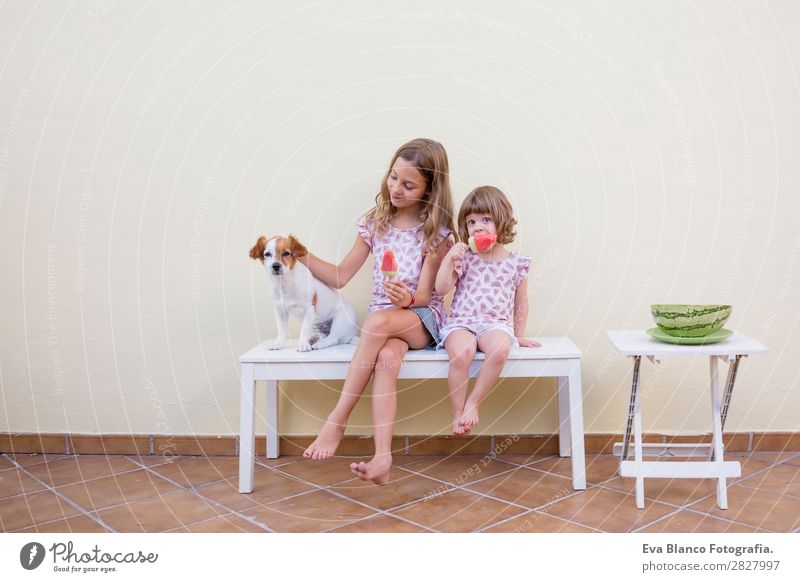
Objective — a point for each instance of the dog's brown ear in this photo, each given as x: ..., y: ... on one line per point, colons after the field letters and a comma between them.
x: 298, y: 250
x: 257, y: 252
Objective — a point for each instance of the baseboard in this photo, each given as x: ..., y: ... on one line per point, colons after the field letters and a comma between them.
x: 213, y: 446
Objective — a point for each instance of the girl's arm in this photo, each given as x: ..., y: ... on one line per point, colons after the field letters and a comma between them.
x: 446, y: 276
x: 337, y: 276
x: 398, y: 293
x: 521, y: 306
x: 427, y: 278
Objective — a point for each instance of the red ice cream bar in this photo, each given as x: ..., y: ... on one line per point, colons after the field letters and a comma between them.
x: 482, y: 242
x: 389, y: 266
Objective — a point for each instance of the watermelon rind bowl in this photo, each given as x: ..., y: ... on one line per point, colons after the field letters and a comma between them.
x: 690, y: 320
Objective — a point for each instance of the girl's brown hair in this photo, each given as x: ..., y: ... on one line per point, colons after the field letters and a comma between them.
x: 430, y: 158
x: 488, y: 200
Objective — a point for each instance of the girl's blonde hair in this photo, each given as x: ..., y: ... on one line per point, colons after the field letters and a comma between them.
x: 488, y: 200
x: 430, y: 158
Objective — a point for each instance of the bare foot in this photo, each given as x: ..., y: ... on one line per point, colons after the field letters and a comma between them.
x: 324, y: 446
x: 377, y: 470
x: 469, y: 419
x: 458, y: 427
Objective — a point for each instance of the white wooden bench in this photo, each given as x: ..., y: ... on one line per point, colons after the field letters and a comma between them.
x: 558, y: 357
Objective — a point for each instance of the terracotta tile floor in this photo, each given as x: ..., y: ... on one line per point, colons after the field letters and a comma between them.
x: 96, y: 493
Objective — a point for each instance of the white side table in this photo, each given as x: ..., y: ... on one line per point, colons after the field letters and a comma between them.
x: 636, y: 344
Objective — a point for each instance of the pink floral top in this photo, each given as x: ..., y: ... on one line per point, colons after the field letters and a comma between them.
x: 406, y: 244
x: 485, y: 291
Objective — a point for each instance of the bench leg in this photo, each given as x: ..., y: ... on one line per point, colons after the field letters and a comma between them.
x: 570, y: 412
x: 247, y: 434
x: 272, y: 419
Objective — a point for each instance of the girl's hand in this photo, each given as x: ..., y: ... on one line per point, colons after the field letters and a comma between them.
x: 397, y: 292
x: 528, y: 343
x: 458, y: 252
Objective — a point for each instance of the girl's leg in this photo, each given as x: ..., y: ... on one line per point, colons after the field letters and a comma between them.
x: 378, y: 328
x: 461, y: 346
x: 384, y: 409
x: 495, y: 344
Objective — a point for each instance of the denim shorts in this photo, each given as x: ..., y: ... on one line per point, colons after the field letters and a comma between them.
x: 428, y: 320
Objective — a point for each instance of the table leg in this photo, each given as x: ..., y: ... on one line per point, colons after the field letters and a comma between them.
x: 247, y: 435
x: 637, y: 446
x: 272, y: 419
x: 631, y: 407
x: 733, y: 367
x: 716, y: 442
x: 575, y: 411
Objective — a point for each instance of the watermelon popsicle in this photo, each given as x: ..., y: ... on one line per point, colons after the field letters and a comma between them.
x: 482, y: 242
x: 389, y: 266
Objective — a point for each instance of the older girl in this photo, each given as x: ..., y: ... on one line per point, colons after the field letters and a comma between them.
x: 412, y: 216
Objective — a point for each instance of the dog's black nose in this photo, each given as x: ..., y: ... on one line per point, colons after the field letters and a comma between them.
x: 276, y: 267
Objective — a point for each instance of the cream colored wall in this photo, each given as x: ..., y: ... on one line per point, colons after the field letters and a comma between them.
x: 650, y: 151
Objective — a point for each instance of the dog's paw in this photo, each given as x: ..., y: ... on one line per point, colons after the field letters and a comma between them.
x: 277, y: 344
x: 322, y: 344
x: 303, y: 346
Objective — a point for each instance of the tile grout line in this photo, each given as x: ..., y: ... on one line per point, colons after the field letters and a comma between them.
x: 260, y: 464
x: 700, y: 513
x: 511, y: 464
x: 126, y: 472
x: 543, y: 507
x: 512, y: 467
x: 66, y: 484
x: 314, y: 489
x: 740, y: 481
x: 327, y: 489
x: 450, y: 487
x: 205, y: 499
x: 404, y: 505
x: 781, y: 494
x: 378, y: 512
x: 669, y: 504
x: 538, y: 508
x: 66, y: 499
x: 729, y: 520
x: 488, y: 528
x: 658, y: 519
x: 10, y: 459
x: 466, y: 487
x: 141, y: 467
x: 87, y: 480
x: 479, y: 493
x: 174, y: 529
x: 735, y: 481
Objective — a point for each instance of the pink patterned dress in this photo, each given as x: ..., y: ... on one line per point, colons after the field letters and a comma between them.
x: 484, y: 297
x: 406, y: 243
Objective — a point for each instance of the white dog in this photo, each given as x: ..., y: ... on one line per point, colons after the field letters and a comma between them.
x: 327, y: 319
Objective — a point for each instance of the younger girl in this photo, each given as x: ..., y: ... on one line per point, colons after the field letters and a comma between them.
x: 413, y: 217
x: 490, y: 306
